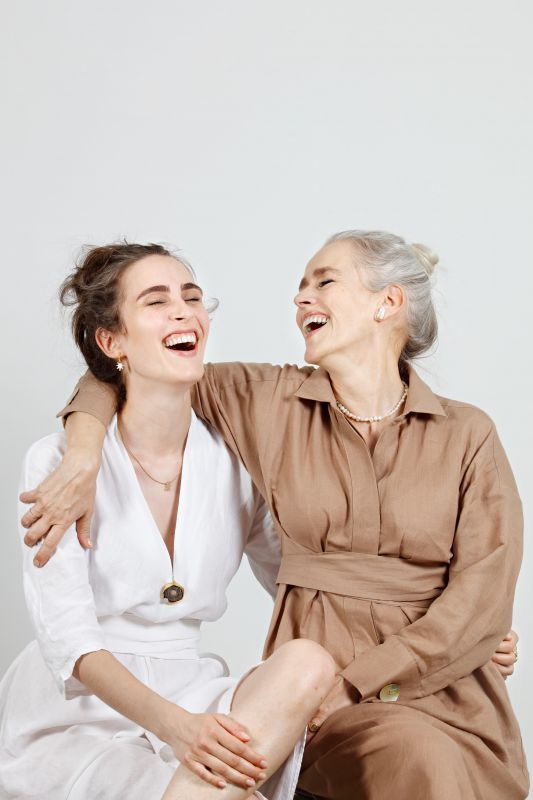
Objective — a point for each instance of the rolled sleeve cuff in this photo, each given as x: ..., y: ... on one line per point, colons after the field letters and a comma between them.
x: 69, y: 686
x: 97, y: 399
x: 387, y: 663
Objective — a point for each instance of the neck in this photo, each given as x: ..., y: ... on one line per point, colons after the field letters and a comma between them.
x: 155, y: 420
x: 368, y: 385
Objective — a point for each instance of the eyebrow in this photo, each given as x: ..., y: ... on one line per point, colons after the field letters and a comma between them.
x: 317, y: 273
x: 166, y: 289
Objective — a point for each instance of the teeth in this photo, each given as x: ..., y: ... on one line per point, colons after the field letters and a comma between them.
x: 317, y: 319
x: 182, y: 338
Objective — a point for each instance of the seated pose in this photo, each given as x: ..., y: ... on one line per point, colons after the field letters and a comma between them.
x: 114, y: 694
x: 400, y: 522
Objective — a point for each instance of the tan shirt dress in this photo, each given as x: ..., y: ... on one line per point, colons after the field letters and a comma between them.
x: 402, y: 564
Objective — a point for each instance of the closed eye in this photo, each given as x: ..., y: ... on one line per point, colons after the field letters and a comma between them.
x: 325, y: 282
x: 156, y: 303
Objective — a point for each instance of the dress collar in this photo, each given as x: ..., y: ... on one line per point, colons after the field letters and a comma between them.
x: 420, y: 398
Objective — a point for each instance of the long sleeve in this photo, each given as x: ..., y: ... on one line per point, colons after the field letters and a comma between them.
x: 263, y: 547
x: 58, y: 596
x: 93, y: 397
x: 462, y: 627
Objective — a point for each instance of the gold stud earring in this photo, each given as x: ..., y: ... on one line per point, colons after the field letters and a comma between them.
x: 380, y: 314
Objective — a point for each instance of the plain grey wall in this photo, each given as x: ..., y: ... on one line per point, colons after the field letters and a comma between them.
x: 246, y: 133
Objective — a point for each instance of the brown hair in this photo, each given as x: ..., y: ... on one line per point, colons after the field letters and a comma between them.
x: 93, y: 290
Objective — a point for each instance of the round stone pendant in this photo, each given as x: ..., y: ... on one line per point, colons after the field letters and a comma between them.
x: 172, y: 592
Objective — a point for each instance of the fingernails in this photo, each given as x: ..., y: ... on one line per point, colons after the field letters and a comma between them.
x: 262, y: 776
x: 250, y: 782
x: 244, y: 736
x: 89, y: 543
x: 37, y: 562
x: 222, y: 784
x: 263, y: 764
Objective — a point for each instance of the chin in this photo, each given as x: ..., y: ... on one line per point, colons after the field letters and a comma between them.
x: 312, y: 357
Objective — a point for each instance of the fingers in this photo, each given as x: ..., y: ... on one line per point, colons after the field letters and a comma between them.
x: 37, y: 531
x: 33, y: 514
x: 233, y: 727
x: 49, y: 545
x: 202, y: 772
x: 506, y: 659
x: 240, y: 755
x: 28, y: 497
x: 83, y: 529
x: 231, y: 768
x: 324, y: 710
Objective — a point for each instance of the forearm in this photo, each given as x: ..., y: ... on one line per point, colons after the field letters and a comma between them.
x: 85, y: 437
x: 109, y: 680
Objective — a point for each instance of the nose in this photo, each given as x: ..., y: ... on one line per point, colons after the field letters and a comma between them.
x: 304, y: 298
x: 179, y: 309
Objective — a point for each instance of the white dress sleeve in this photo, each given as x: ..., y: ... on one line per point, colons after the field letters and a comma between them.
x: 58, y: 596
x: 263, y: 547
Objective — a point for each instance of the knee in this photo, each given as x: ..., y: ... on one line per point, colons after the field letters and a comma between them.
x: 308, y: 660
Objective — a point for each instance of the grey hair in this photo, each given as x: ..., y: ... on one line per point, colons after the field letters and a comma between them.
x: 389, y: 259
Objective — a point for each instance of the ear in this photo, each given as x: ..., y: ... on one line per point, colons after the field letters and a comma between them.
x: 394, y: 299
x: 109, y: 343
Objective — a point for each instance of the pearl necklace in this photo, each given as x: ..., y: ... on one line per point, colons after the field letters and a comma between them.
x: 357, y: 418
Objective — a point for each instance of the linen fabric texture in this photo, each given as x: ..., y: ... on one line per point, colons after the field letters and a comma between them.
x: 57, y: 740
x: 402, y: 564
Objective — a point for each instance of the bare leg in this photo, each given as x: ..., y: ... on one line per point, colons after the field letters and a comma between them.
x: 275, y: 702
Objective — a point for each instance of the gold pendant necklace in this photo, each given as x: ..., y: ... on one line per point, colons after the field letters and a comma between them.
x: 171, y: 592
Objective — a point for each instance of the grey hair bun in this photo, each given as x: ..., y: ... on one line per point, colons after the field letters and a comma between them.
x: 427, y: 257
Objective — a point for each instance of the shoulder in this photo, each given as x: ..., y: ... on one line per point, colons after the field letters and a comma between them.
x: 467, y: 415
x: 220, y: 468
x: 471, y: 431
x: 42, y: 457
x: 235, y: 373
x: 46, y: 451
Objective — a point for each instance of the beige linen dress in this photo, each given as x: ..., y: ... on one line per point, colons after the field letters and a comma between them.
x: 402, y: 564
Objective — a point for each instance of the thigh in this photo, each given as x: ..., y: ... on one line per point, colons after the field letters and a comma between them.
x: 124, y: 769
x: 379, y: 751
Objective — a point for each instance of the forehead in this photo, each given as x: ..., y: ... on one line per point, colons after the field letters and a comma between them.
x: 155, y: 269
x: 339, y: 256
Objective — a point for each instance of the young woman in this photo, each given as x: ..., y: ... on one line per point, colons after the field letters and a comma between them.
x: 114, y: 693
x: 401, y: 531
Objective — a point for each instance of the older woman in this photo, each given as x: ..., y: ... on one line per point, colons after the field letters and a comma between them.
x: 113, y: 694
x: 401, y: 531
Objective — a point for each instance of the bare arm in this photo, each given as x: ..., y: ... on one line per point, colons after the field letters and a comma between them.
x: 213, y: 746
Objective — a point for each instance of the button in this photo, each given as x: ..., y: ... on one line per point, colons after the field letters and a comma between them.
x: 172, y: 592
x: 390, y: 693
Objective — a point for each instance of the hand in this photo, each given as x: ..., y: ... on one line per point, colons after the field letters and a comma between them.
x: 64, y: 497
x: 342, y: 694
x: 505, y: 656
x: 213, y: 747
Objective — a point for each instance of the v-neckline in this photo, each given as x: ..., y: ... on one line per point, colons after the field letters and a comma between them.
x: 142, y: 499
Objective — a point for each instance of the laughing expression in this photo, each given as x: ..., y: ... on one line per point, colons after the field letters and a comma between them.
x: 166, y: 323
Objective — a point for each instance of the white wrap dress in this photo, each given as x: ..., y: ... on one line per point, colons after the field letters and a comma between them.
x: 59, y: 741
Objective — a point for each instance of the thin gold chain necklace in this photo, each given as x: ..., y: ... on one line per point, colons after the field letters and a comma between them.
x: 165, y: 484
x: 171, y: 592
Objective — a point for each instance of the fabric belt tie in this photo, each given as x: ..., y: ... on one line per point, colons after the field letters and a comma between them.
x: 364, y: 576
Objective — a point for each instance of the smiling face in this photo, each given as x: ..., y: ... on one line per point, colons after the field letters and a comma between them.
x: 335, y: 310
x: 165, y: 323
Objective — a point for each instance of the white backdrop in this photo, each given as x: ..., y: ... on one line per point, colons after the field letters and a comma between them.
x: 246, y: 133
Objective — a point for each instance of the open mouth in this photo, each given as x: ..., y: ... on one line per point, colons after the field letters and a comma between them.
x: 314, y: 323
x: 181, y: 342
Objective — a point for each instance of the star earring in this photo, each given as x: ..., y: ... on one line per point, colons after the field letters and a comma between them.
x: 120, y: 365
x: 380, y: 314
